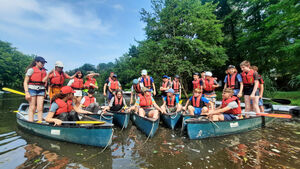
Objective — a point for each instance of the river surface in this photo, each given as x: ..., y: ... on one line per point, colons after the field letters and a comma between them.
x: 276, y: 146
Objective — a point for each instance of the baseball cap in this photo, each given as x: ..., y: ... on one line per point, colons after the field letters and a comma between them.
x: 114, y: 75
x: 170, y: 91
x: 66, y: 90
x: 196, y: 73
x: 40, y: 59
x: 144, y: 72
x: 208, y: 74
x: 231, y: 66
x: 59, y: 64
x: 177, y: 76
x: 165, y: 76
x: 135, y: 81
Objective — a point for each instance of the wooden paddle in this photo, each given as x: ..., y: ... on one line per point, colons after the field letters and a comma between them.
x: 285, y: 116
x: 281, y: 101
x: 17, y: 92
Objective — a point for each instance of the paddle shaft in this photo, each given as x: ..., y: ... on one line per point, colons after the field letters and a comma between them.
x: 285, y: 116
x: 17, y: 92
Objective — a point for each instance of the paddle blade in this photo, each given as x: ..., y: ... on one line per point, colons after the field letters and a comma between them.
x: 282, y: 101
x: 89, y: 122
x: 13, y: 91
x: 285, y: 116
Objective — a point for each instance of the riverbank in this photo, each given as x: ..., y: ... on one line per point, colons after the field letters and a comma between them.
x: 294, y: 96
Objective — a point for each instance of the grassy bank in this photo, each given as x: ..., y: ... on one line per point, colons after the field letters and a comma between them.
x: 294, y: 96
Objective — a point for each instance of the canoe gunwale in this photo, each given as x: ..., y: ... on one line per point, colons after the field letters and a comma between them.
x: 195, y: 120
x: 118, y: 112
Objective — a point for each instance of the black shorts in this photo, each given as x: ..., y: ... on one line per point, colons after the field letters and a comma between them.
x: 248, y: 91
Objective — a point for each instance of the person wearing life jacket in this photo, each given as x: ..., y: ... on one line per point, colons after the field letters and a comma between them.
x: 176, y: 86
x: 251, y: 83
x: 197, y: 83
x: 260, y: 88
x: 90, y: 82
x: 117, y: 103
x: 234, y: 80
x: 34, y: 87
x: 77, y: 85
x: 146, y: 105
x: 148, y: 82
x: 199, y: 103
x: 62, y: 107
x: 230, y: 108
x: 89, y: 102
x: 105, y: 88
x: 202, y: 73
x: 113, y: 86
x: 135, y: 90
x: 166, y: 85
x: 57, y: 78
x: 209, y: 90
x: 171, y: 102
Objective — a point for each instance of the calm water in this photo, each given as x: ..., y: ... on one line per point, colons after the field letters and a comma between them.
x: 276, y: 146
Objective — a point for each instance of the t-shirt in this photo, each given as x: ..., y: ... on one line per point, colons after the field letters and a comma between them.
x: 233, y: 105
x: 54, y: 107
x: 70, y: 82
x: 113, y: 100
x: 238, y: 76
x: 142, y: 81
x: 176, y: 99
x: 83, y: 100
x: 33, y: 86
x: 204, y: 99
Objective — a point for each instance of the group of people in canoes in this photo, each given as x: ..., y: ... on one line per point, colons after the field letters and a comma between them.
x: 78, y: 95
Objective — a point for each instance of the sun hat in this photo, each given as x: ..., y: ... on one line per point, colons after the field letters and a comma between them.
x: 144, y: 72
x: 59, y: 64
x: 208, y: 74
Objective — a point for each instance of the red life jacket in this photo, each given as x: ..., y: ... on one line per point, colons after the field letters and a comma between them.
x: 114, y: 85
x: 88, y: 101
x: 118, y: 102
x: 110, y: 79
x: 145, y: 101
x: 209, y: 85
x: 171, y: 101
x: 196, y: 84
x: 63, y: 107
x: 175, y: 86
x: 37, y: 76
x: 77, y: 84
x: 58, y: 79
x: 232, y: 81
x: 137, y: 88
x: 89, y: 81
x: 197, y: 103
x: 237, y: 110
x: 248, y: 79
x: 147, y: 82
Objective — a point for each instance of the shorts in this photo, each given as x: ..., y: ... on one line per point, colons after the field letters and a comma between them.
x: 110, y: 95
x: 148, y: 110
x: 229, y: 117
x: 210, y: 96
x: 248, y: 91
x: 163, y: 95
x: 260, y: 102
x: 171, y: 109
x: 78, y: 93
x: 197, y: 111
x: 36, y: 92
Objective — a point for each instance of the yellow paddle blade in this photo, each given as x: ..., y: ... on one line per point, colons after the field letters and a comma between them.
x: 13, y: 91
x: 90, y: 122
x: 180, y: 101
x: 16, y: 111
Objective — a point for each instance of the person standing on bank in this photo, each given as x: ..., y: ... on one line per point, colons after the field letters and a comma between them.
x: 135, y: 90
x: 34, y: 87
x: 148, y: 82
x: 105, y: 89
x: 176, y: 86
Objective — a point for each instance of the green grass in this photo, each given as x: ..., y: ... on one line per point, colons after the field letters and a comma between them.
x: 294, y: 96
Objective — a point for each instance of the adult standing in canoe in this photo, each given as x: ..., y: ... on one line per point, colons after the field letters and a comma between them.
x: 171, y: 102
x: 113, y: 86
x: 148, y: 82
x: 146, y: 105
x: 199, y: 103
x: 57, y: 78
x: 77, y: 85
x: 250, y: 90
x: 176, y: 86
x: 62, y: 106
x: 135, y: 90
x: 209, y: 90
x: 89, y: 102
x: 229, y: 109
x: 116, y: 103
x: 34, y: 87
x: 166, y: 85
x: 260, y: 88
x: 234, y: 81
x: 90, y: 82
x: 197, y: 83
x: 105, y: 89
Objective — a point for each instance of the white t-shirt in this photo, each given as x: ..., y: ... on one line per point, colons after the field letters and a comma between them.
x: 233, y: 105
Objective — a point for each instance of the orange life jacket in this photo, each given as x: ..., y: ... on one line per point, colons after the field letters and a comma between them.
x: 110, y: 79
x: 37, y: 76
x: 147, y: 82
x: 197, y: 102
x: 196, y: 84
x: 89, y: 81
x: 175, y: 86
x: 209, y: 85
x: 145, y: 101
x: 63, y: 107
x: 171, y: 101
x: 137, y: 88
x: 77, y: 84
x: 232, y: 81
x: 237, y: 110
x: 118, y: 102
x: 58, y: 79
x: 114, y: 85
x: 248, y: 79
x: 88, y: 101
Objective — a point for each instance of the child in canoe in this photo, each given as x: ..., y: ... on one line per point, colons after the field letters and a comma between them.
x: 171, y: 102
x: 229, y: 109
x: 210, y: 84
x: 62, y: 107
x: 234, y: 80
x: 199, y: 103
x: 89, y: 102
x: 117, y: 102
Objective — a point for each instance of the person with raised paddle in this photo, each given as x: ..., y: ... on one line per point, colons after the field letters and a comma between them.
x: 250, y: 90
x: 197, y: 82
x: 148, y: 82
x: 135, y: 90
x: 62, y: 107
x: 77, y: 85
x: 34, y: 87
x: 210, y: 84
x: 106, y: 92
x: 171, y: 103
x: 260, y: 88
x: 234, y: 81
x: 228, y: 110
x: 146, y: 105
x: 116, y: 103
x: 89, y: 102
x: 113, y: 86
x: 176, y: 86
x: 199, y: 105
x: 166, y: 85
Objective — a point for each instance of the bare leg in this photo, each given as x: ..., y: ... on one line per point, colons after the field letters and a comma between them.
x: 247, y: 103
x: 262, y: 109
x: 163, y: 108
x: 154, y: 114
x: 179, y: 107
x: 191, y: 110
x: 40, y: 107
x: 142, y: 112
x: 32, y: 107
x: 255, y: 104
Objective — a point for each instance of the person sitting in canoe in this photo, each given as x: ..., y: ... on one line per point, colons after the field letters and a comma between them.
x: 89, y: 102
x: 77, y: 85
x: 166, y: 84
x: 116, y: 103
x: 113, y: 86
x: 199, y: 103
x: 148, y: 82
x: 229, y: 109
x: 146, y: 105
x: 209, y: 87
x: 62, y: 106
x: 171, y: 103
x: 176, y: 86
x: 234, y: 80
x: 135, y: 90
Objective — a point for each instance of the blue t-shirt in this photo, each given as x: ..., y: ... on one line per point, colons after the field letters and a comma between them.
x: 238, y: 76
x: 54, y: 107
x: 151, y: 80
x: 176, y: 99
x: 204, y: 99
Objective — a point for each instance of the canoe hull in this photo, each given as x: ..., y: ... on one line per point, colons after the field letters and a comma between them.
x: 107, y: 117
x: 121, y: 119
x: 171, y: 120
x: 147, y: 126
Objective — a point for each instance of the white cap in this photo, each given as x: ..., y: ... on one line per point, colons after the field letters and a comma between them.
x: 208, y: 74
x: 144, y: 72
x: 59, y: 64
